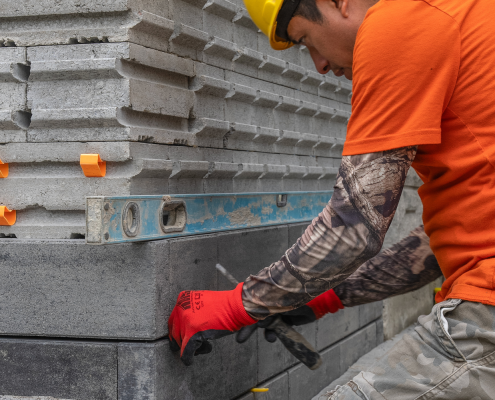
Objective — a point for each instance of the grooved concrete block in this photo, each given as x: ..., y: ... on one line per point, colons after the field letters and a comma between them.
x: 241, y: 254
x: 333, y: 327
x: 152, y: 371
x: 274, y: 357
x: 278, y: 389
x: 122, y: 79
x: 304, y: 383
x: 192, y: 266
x: 370, y: 312
x: 356, y: 345
x: 65, y: 370
x: 86, y: 22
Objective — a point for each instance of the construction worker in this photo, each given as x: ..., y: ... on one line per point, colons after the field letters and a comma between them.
x: 423, y: 86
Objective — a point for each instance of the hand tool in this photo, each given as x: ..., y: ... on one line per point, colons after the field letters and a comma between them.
x: 290, y: 338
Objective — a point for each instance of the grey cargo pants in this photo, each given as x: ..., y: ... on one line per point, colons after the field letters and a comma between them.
x: 449, y: 356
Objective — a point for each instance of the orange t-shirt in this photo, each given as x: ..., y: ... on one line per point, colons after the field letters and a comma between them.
x: 424, y: 74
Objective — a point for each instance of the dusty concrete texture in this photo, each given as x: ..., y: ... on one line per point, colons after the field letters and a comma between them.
x: 65, y: 288
x: 363, y: 363
x: 73, y: 369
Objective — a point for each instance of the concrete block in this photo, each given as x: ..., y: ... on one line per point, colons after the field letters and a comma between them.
x: 370, y: 312
x: 278, y: 389
x: 65, y: 370
x: 289, y: 138
x: 219, y: 47
x: 380, y: 338
x: 124, y: 370
x: 334, y: 327
x: 266, y: 136
x: 78, y: 290
x: 247, y: 178
x: 248, y: 56
x: 190, y: 169
x: 274, y: 171
x: 192, y: 261
x: 227, y: 372
x: 307, y: 108
x: 247, y: 252
x: 401, y: 311
x: 296, y: 231
x: 274, y: 357
x: 210, y: 85
x: 244, y: 132
x: 222, y: 8
x: 241, y: 93
x: 304, y: 383
x: 356, y: 345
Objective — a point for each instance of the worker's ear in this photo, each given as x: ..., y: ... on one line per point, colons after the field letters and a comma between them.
x: 342, y: 6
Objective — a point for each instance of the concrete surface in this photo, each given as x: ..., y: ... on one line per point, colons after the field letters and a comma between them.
x: 363, y: 363
x: 78, y: 369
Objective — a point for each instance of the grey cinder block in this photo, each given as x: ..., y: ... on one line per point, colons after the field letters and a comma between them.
x: 65, y: 370
x: 333, y: 327
x: 304, y: 383
x: 356, y: 345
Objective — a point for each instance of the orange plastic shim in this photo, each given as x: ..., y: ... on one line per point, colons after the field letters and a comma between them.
x: 93, y: 166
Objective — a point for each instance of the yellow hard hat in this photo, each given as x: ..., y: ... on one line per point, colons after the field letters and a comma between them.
x: 264, y: 14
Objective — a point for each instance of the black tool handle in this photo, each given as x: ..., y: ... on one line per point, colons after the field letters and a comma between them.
x: 296, y: 343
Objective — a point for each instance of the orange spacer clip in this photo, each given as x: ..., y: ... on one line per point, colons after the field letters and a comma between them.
x: 7, y: 217
x: 93, y: 166
x: 4, y: 170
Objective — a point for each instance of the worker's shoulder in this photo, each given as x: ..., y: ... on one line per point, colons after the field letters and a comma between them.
x: 398, y: 20
x: 396, y: 12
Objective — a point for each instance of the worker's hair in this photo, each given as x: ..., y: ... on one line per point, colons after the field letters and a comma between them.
x: 309, y: 10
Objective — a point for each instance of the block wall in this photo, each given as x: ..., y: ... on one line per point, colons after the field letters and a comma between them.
x: 177, y: 96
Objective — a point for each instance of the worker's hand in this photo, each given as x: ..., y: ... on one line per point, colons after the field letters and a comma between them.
x: 325, y: 303
x: 202, y: 315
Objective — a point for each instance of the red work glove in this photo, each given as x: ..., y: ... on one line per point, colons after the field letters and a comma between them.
x: 202, y: 315
x: 325, y: 303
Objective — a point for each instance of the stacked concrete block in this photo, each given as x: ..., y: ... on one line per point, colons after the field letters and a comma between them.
x: 92, y: 324
x: 177, y: 96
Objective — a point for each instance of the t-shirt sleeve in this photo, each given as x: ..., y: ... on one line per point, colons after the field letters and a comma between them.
x: 405, y: 67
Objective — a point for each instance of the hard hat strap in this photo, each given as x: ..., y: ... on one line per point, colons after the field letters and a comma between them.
x: 284, y: 16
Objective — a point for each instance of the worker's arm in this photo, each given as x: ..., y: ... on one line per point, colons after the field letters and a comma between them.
x: 406, y: 266
x: 346, y: 234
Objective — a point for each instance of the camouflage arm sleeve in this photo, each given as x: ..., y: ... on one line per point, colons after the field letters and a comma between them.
x: 347, y: 233
x: 406, y: 266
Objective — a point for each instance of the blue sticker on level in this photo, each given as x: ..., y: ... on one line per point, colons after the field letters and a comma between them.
x: 140, y: 218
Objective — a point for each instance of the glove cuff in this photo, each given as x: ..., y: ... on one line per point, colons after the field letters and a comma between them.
x: 325, y: 303
x: 242, y: 318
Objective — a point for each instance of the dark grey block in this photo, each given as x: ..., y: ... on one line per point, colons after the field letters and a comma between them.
x: 247, y: 252
x: 82, y: 370
x: 228, y: 371
x: 67, y: 370
x: 65, y: 288
x: 274, y: 357
x: 142, y: 372
x: 359, y: 343
x: 304, y: 383
x: 370, y: 312
x: 334, y: 327
x: 379, y: 332
x: 68, y: 288
x: 192, y: 265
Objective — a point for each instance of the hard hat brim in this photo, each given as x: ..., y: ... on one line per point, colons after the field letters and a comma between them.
x: 277, y: 43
